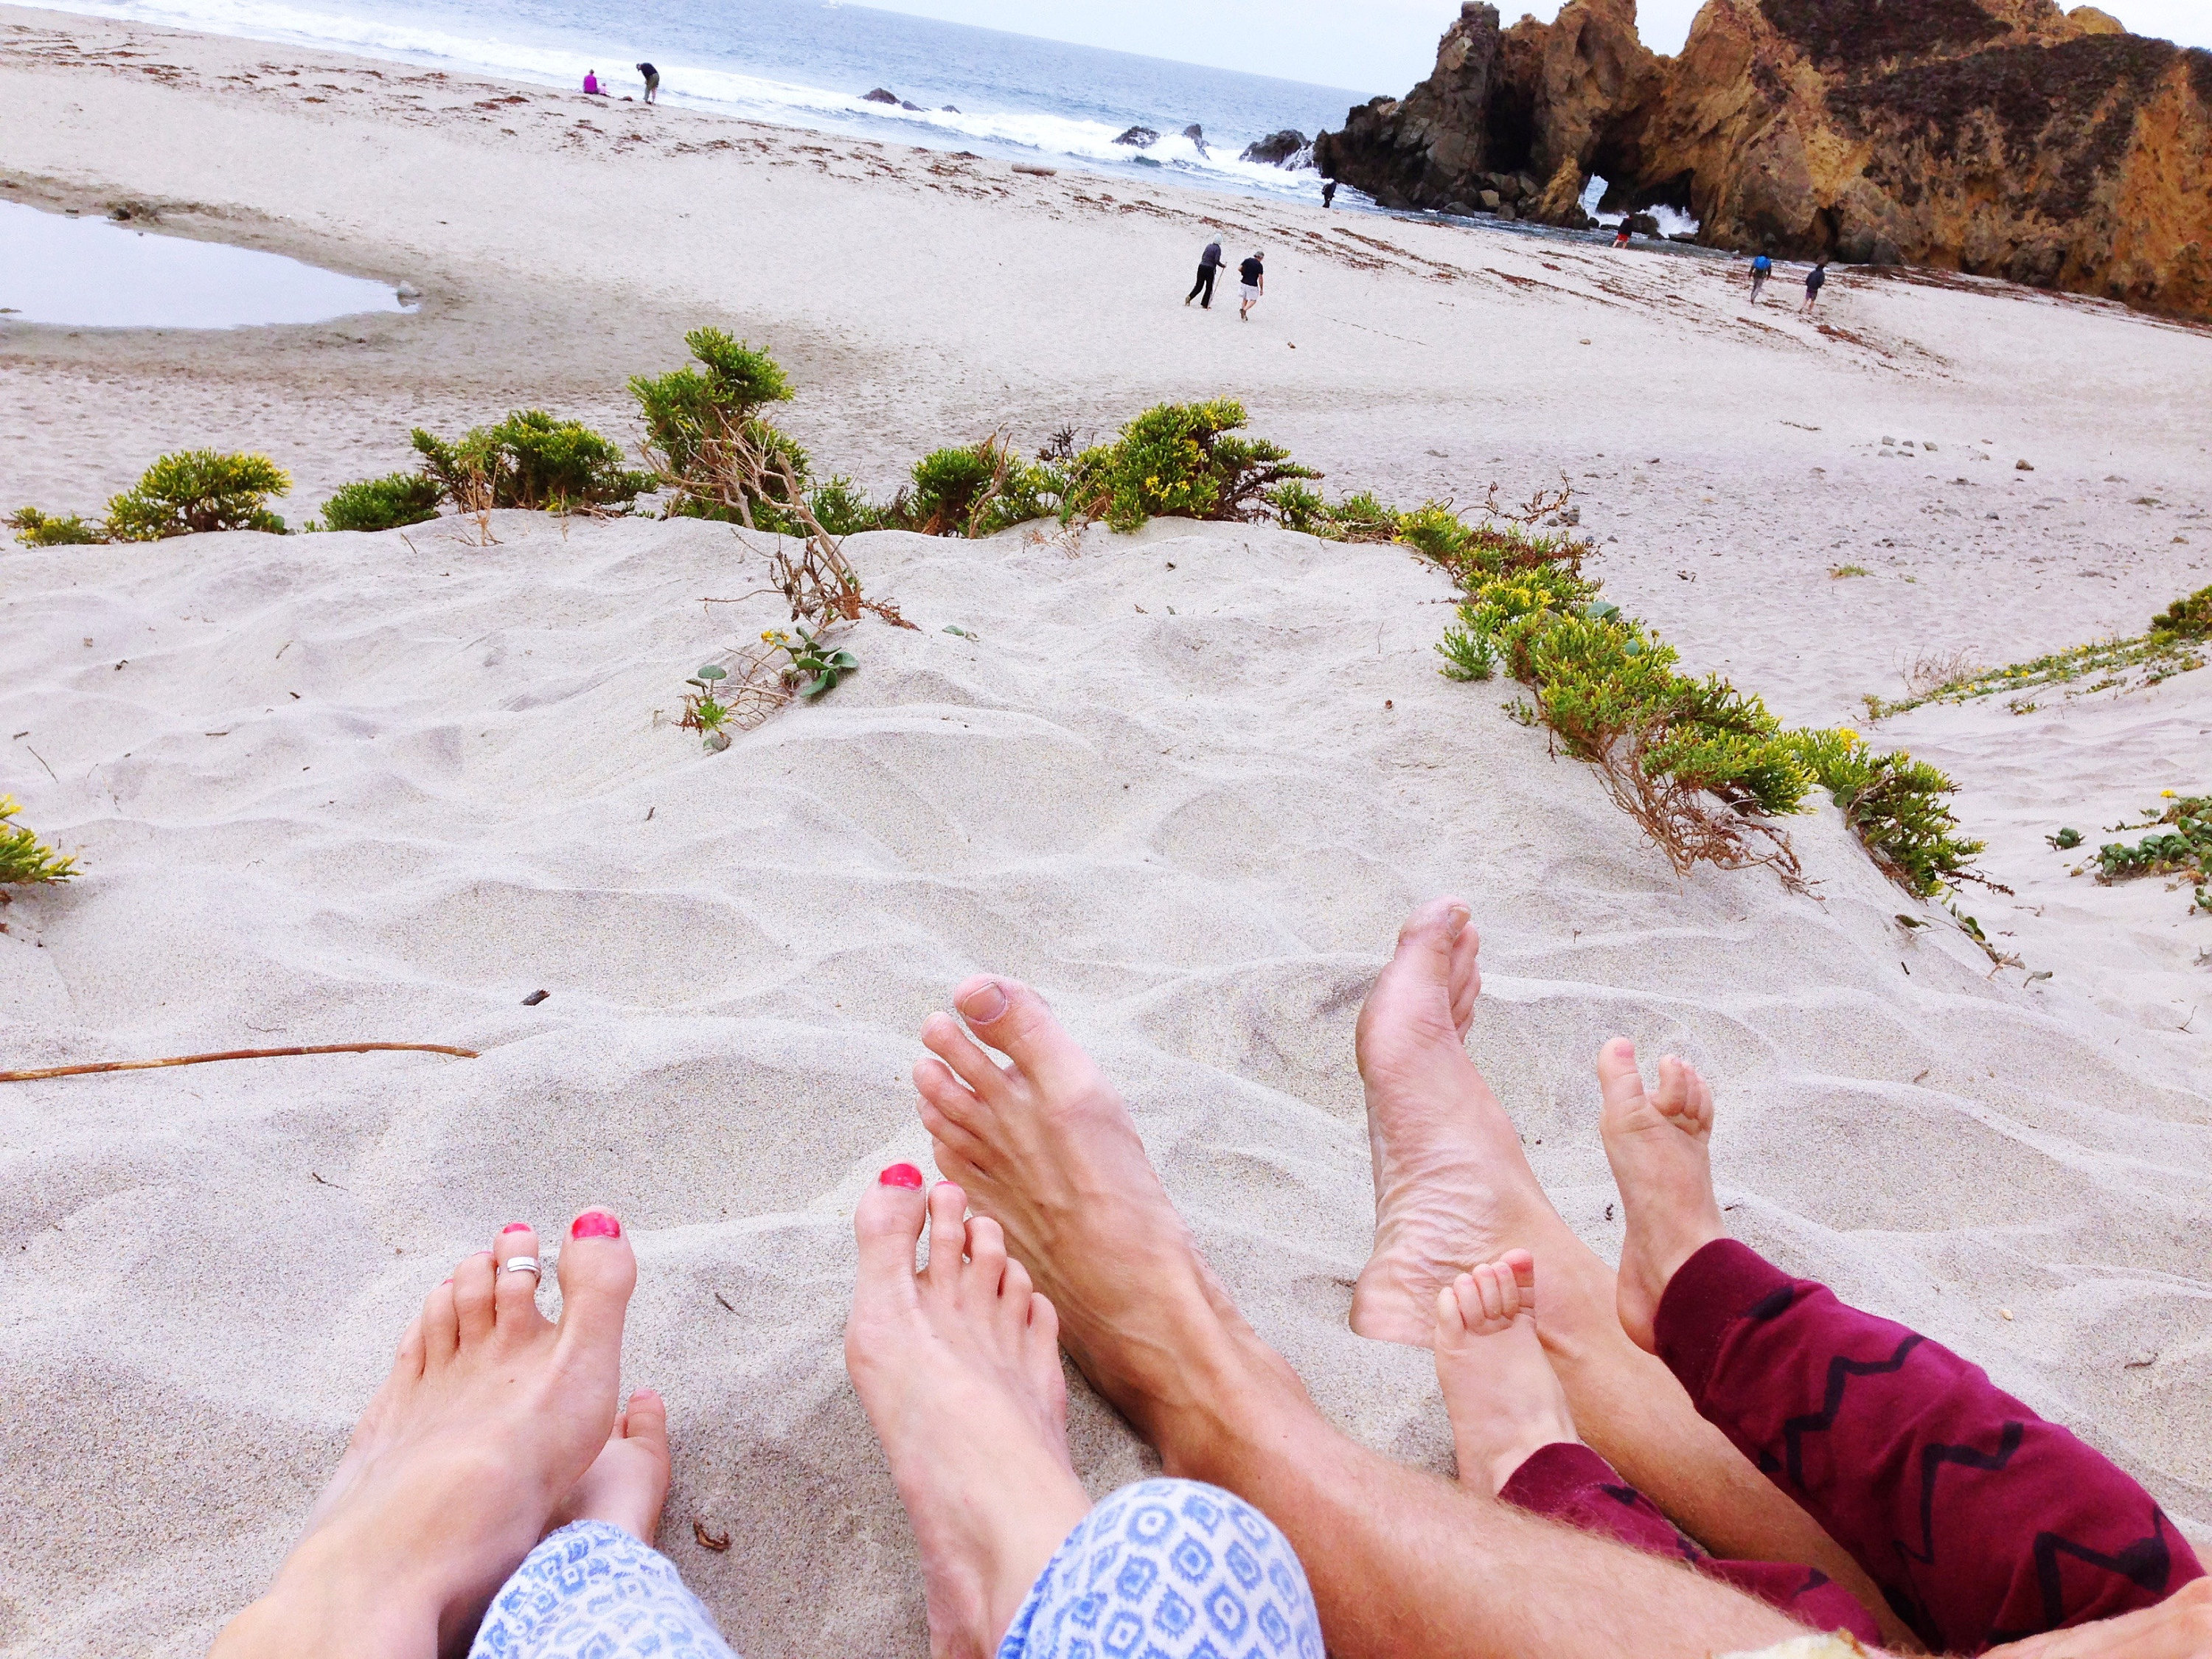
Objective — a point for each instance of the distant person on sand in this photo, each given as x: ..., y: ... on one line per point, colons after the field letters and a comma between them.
x: 652, y: 82
x: 1209, y: 267
x: 1620, y: 232
x: 1253, y: 275
x: 1815, y: 280
x: 1761, y: 269
x: 591, y: 87
x: 1328, y: 194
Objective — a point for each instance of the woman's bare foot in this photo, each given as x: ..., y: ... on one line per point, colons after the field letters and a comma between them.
x: 1046, y: 1148
x: 1659, y: 1145
x: 1452, y: 1186
x: 958, y: 1365
x: 627, y: 1485
x: 490, y: 1414
x: 1504, y: 1399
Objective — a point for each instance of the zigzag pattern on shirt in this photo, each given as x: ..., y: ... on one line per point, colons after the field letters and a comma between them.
x: 2147, y: 1563
x: 1841, y: 1374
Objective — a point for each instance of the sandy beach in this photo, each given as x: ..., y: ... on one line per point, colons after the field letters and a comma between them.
x: 1188, y: 781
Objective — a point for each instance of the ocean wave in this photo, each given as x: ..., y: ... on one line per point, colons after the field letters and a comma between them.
x: 712, y: 87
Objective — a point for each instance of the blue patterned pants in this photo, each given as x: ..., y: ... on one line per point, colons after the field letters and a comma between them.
x: 1162, y: 1569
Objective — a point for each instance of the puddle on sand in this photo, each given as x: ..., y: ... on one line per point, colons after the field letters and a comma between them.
x: 96, y: 273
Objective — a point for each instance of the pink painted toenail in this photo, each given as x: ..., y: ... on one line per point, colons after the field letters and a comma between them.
x: 514, y: 1227
x: 595, y: 1224
x: 984, y: 1006
x: 901, y: 1175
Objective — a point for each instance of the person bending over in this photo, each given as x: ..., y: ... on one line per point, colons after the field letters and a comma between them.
x: 1209, y: 267
x: 1981, y: 1523
x: 652, y: 82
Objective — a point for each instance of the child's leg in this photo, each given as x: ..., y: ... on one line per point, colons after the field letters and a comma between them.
x: 1982, y: 1522
x: 1515, y: 1440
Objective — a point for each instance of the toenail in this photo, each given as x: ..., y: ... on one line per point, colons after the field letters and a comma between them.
x: 514, y: 1227
x: 595, y: 1224
x: 984, y: 1006
x: 901, y: 1175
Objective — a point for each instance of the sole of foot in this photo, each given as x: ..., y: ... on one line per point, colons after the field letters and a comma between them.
x: 958, y: 1367
x: 1504, y: 1399
x: 1046, y: 1147
x: 1452, y: 1186
x: 1659, y: 1143
x: 490, y: 1416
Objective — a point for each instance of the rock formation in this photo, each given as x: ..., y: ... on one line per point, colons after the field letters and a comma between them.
x: 2004, y: 137
x: 1278, y: 149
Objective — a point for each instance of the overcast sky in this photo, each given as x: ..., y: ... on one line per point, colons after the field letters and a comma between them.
x: 1374, y: 45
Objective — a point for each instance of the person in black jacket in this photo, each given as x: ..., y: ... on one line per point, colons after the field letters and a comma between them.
x: 652, y: 82
x: 1209, y: 265
x: 1254, y: 276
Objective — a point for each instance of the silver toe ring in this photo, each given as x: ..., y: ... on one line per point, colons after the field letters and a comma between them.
x: 522, y: 1264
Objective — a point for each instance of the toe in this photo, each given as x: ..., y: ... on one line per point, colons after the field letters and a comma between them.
x: 1433, y: 932
x: 440, y: 1326
x: 1495, y: 1288
x: 942, y: 1036
x: 948, y: 1238
x: 1043, y: 1355
x: 472, y: 1296
x: 598, y: 1271
x: 407, y: 1363
x: 1021, y: 1025
x: 1451, y: 1309
x: 1465, y: 978
x: 1521, y: 1273
x: 987, y: 1256
x: 949, y: 1109
x: 646, y: 1420
x: 887, y: 1223
x: 514, y: 1294
x: 1620, y: 1085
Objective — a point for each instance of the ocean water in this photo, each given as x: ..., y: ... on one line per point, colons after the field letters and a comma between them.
x: 808, y: 63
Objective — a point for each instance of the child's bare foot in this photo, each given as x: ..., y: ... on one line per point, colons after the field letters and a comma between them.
x: 1659, y: 1145
x: 628, y: 1482
x: 958, y: 1365
x: 490, y: 1416
x: 1504, y: 1399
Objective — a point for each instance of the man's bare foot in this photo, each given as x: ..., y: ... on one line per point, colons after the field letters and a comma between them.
x: 1504, y: 1399
x: 1659, y: 1145
x: 627, y: 1485
x: 958, y: 1365
x: 490, y: 1414
x: 1046, y: 1148
x: 1452, y: 1186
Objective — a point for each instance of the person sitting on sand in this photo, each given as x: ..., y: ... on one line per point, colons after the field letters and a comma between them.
x: 1252, y: 275
x: 495, y: 1498
x: 1400, y: 1561
x: 591, y: 87
x: 652, y: 82
x: 1981, y: 1523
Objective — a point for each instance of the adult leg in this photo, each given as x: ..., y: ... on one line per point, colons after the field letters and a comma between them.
x: 489, y: 1419
x: 1212, y: 272
x: 958, y: 1365
x: 1515, y: 1440
x: 1400, y: 1561
x: 1453, y: 1188
x: 1982, y: 1522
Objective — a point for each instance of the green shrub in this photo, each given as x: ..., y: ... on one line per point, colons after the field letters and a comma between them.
x: 976, y: 491
x: 1896, y: 807
x: 693, y: 417
x: 386, y: 503
x: 530, y: 460
x: 23, y: 858
x: 843, y: 508
x: 1179, y: 460
x: 34, y: 529
x: 195, y: 491
x: 2189, y: 619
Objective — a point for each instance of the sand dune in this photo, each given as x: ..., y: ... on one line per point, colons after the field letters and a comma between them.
x: 1162, y: 781
x: 346, y: 788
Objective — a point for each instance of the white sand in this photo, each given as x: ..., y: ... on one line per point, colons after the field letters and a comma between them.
x: 1174, y: 798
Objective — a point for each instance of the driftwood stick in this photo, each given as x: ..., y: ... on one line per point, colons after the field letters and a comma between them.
x: 236, y: 1054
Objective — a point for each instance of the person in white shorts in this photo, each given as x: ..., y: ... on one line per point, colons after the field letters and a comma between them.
x: 1254, y: 276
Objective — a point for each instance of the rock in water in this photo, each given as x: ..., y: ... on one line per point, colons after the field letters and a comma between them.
x: 1277, y: 150
x: 1196, y: 134
x: 2002, y: 137
x: 1142, y: 137
x: 881, y: 95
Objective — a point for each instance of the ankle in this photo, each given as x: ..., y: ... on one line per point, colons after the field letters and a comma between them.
x: 323, y: 1604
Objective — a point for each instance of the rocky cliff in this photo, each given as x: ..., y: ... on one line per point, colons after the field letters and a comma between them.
x: 2004, y: 137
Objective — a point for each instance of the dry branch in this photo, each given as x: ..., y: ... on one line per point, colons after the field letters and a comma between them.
x: 237, y: 1053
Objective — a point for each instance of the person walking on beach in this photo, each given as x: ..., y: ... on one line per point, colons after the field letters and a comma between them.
x: 1815, y: 280
x: 1761, y: 269
x: 1328, y: 194
x: 652, y: 82
x: 1209, y: 267
x: 1254, y: 276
